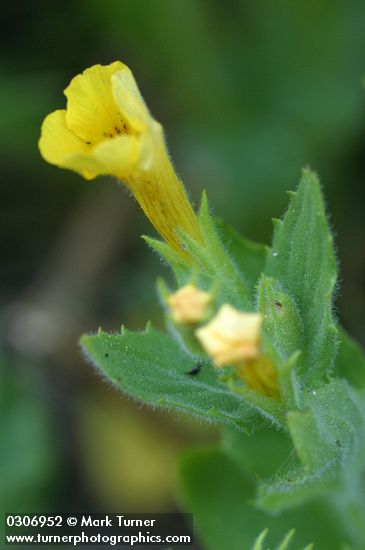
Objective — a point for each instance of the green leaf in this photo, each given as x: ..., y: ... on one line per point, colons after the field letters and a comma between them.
x: 283, y: 325
x: 215, y: 491
x: 247, y: 450
x: 350, y: 360
x: 339, y: 410
x: 152, y: 367
x: 270, y: 408
x: 284, y: 545
x: 260, y: 540
x: 287, y: 539
x: 249, y: 257
x: 181, y: 269
x: 304, y: 264
x: 212, y: 261
x: 290, y: 488
x: 312, y: 451
x: 329, y: 437
x: 221, y: 498
x: 282, y: 320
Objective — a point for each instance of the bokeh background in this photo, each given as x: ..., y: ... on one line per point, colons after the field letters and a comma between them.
x: 249, y: 93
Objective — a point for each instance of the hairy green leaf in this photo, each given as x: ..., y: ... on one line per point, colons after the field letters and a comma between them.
x: 350, y: 360
x: 250, y: 257
x: 212, y: 259
x: 249, y: 451
x: 283, y: 325
x: 221, y: 498
x: 282, y: 320
x: 304, y: 264
x: 329, y: 438
x: 291, y: 488
x: 181, y: 268
x: 284, y: 545
x: 152, y: 367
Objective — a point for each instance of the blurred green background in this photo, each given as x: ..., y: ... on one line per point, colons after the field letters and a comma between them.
x: 249, y: 93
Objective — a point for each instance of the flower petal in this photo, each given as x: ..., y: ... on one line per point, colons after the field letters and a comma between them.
x: 84, y: 164
x: 57, y: 141
x: 129, y: 100
x: 114, y: 157
x: 92, y: 112
x: 118, y: 156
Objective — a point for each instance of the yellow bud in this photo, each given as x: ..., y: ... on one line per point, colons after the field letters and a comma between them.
x: 189, y: 305
x: 261, y: 375
x: 232, y: 336
x: 107, y: 129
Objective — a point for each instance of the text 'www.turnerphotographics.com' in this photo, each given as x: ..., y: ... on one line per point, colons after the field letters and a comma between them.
x: 99, y: 529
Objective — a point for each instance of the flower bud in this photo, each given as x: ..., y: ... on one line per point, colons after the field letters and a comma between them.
x: 232, y: 336
x: 189, y: 305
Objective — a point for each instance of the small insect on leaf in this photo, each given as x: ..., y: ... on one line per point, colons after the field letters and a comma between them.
x: 198, y: 367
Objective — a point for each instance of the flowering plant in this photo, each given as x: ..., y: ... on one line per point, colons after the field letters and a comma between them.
x: 252, y: 342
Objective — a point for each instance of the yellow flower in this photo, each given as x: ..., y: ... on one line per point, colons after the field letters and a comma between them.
x: 233, y: 338
x: 189, y: 304
x: 108, y: 130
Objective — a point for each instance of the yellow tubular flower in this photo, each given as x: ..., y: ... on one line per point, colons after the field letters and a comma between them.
x: 233, y: 338
x: 189, y: 305
x: 108, y: 130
